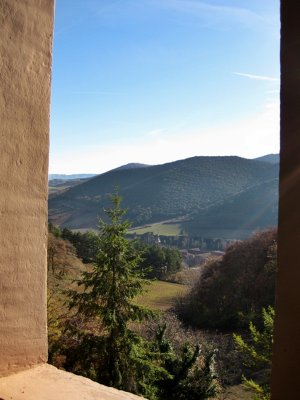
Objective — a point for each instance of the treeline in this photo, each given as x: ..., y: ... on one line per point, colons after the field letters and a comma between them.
x: 184, y: 241
x: 232, y: 290
x: 156, y: 261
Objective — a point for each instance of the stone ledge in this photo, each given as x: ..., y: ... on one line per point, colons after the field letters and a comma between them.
x: 45, y: 382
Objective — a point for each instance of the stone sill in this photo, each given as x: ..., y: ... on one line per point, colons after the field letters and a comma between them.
x: 45, y: 382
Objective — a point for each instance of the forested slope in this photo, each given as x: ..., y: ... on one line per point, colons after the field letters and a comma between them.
x: 186, y: 188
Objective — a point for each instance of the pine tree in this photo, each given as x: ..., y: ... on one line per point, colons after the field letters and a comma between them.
x: 258, y: 354
x: 117, y: 356
x: 107, y: 294
x: 192, y: 374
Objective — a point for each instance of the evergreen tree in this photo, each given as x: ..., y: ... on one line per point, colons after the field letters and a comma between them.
x: 115, y: 355
x: 258, y: 354
x: 192, y: 375
x: 107, y: 295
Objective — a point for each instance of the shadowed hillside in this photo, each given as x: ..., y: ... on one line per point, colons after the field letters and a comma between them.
x: 271, y: 158
x: 174, y: 190
x: 241, y: 214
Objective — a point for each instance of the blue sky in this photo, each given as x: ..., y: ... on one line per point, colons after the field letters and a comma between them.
x: 153, y: 81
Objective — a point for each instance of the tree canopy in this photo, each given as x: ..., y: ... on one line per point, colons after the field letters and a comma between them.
x: 232, y: 290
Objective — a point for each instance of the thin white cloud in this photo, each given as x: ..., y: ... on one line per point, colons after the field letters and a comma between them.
x: 257, y: 77
x: 213, y: 12
x: 205, y: 12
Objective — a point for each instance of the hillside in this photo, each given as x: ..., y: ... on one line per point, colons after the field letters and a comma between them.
x: 65, y: 177
x: 271, y: 158
x: 241, y: 214
x: 181, y: 189
x: 59, y: 185
x: 131, y: 166
x: 62, y: 182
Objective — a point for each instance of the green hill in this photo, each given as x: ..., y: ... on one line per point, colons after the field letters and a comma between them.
x: 187, y: 188
x: 271, y: 158
x: 241, y: 214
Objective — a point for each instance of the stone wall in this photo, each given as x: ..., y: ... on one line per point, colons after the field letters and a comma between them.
x: 26, y: 28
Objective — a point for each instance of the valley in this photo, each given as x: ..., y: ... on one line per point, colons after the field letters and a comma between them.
x: 191, y: 224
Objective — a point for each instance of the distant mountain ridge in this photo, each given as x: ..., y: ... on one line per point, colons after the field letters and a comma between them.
x: 271, y: 158
x: 187, y: 188
x: 131, y: 166
x: 69, y: 177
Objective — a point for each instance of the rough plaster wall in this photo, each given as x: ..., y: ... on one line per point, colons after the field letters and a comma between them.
x: 285, y: 368
x: 25, y: 64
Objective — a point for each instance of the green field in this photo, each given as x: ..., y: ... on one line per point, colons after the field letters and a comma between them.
x: 164, y: 229
x: 161, y: 295
x: 156, y: 229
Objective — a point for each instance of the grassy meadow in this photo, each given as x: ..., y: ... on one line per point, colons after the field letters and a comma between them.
x: 164, y: 229
x: 161, y: 295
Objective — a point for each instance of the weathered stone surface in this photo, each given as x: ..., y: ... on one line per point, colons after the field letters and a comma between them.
x: 25, y: 68
x: 45, y: 382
